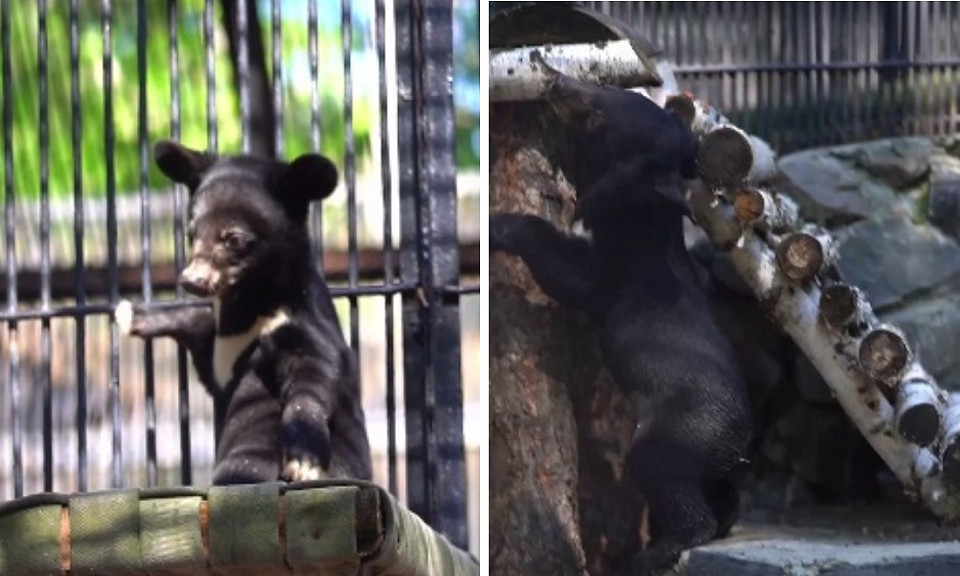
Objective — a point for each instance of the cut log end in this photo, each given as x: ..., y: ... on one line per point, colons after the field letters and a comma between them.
x: 800, y: 256
x: 750, y: 205
x: 839, y: 304
x: 884, y: 355
x: 726, y: 156
x: 919, y: 424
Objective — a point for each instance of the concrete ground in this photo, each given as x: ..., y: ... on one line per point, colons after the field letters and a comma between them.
x: 833, y: 541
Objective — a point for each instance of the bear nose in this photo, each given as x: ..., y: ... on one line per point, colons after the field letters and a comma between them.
x: 197, y: 278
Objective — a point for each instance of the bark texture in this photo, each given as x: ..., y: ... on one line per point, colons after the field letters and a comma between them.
x: 558, y: 424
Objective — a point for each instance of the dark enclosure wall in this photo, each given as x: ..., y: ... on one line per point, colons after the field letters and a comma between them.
x: 807, y: 74
x: 87, y: 87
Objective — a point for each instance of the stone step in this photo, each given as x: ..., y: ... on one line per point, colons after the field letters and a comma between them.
x: 833, y: 541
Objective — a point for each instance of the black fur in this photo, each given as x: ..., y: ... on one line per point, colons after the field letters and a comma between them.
x: 638, y: 284
x: 291, y: 400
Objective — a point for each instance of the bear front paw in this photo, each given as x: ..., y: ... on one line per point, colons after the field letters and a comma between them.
x: 123, y: 315
x: 306, y: 440
x: 303, y: 470
x: 506, y: 230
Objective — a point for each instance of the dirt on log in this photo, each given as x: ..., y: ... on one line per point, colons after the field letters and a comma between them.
x: 558, y: 425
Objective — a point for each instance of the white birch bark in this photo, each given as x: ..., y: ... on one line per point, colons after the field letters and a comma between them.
x: 525, y: 73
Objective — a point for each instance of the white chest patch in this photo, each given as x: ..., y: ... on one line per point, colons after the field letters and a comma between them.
x: 580, y: 232
x: 226, y: 349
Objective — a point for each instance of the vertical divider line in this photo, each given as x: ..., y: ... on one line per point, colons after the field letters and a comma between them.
x: 150, y: 400
x: 109, y: 138
x: 76, y: 138
x: 388, y: 256
x: 277, y: 34
x: 209, y: 41
x: 183, y: 382
x: 46, y: 348
x: 210, y: 38
x: 316, y: 208
x: 10, y: 214
x: 243, y: 72
x: 350, y: 176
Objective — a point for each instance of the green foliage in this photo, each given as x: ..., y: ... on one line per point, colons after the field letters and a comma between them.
x: 193, y: 87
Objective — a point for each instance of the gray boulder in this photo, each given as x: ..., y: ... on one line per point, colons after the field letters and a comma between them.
x: 893, y: 259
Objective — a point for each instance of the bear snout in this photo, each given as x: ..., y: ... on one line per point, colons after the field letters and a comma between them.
x: 200, y: 278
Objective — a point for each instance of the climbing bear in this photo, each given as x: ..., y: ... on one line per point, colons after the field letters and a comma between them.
x: 631, y: 273
x: 270, y: 352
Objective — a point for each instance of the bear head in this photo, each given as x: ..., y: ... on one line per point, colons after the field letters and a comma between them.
x: 247, y: 215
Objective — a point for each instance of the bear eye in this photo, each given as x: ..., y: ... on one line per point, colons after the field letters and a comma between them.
x: 233, y: 241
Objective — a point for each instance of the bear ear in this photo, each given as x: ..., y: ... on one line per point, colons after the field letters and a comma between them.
x: 182, y: 164
x: 309, y: 177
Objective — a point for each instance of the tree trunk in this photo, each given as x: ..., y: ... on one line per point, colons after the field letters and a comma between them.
x: 556, y: 499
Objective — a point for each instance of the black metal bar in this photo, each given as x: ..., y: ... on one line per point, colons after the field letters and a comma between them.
x: 277, y: 34
x: 45, y: 343
x: 413, y: 347
x: 460, y: 289
x: 436, y: 480
x: 388, y: 256
x: 109, y: 137
x: 911, y: 97
x: 362, y: 290
x: 316, y: 208
x: 150, y: 400
x: 243, y: 72
x: 350, y: 172
x: 209, y: 42
x: 76, y: 138
x: 10, y: 213
x: 183, y: 383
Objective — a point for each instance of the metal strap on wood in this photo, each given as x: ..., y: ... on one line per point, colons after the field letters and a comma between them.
x: 317, y: 529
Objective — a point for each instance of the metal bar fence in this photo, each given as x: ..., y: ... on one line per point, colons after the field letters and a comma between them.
x: 802, y: 75
x: 433, y: 402
x: 90, y: 380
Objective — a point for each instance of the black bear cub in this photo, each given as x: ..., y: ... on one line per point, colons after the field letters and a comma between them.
x: 634, y: 278
x: 270, y: 352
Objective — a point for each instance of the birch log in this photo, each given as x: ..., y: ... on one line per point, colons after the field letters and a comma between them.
x: 884, y: 354
x: 950, y: 453
x: 797, y: 311
x: 804, y: 254
x: 519, y: 74
x: 766, y: 211
x: 730, y: 157
x: 844, y: 307
x: 919, y: 407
